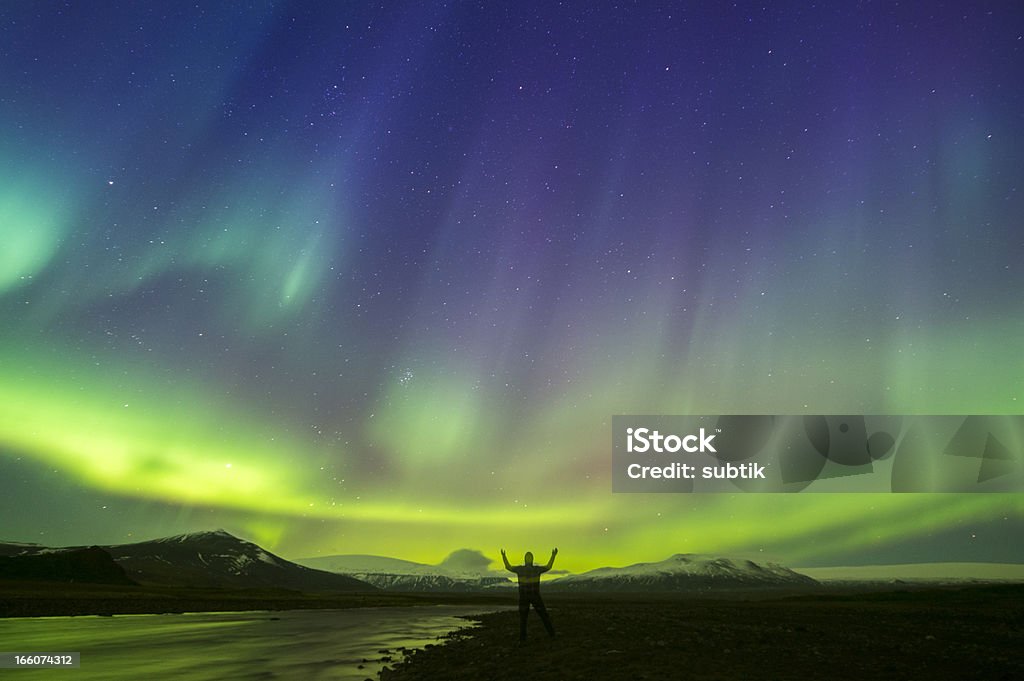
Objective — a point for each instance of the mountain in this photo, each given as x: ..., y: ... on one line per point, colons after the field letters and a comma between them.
x: 13, y: 548
x: 90, y: 565
x: 466, y: 570
x: 466, y: 561
x: 683, y: 572
x: 430, y: 582
x: 219, y: 559
x: 207, y: 559
x: 353, y: 563
x: 461, y: 571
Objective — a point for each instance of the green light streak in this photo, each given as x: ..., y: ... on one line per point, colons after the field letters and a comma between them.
x: 32, y: 228
x: 173, y: 446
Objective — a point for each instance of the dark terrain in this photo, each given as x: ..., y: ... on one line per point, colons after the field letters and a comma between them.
x: 934, y: 634
x: 91, y: 564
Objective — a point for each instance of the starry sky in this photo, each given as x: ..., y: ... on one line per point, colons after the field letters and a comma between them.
x: 374, y: 277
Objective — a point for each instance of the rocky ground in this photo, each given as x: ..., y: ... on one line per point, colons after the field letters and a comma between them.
x: 971, y: 633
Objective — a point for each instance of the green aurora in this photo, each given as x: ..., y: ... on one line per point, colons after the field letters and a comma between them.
x: 295, y: 292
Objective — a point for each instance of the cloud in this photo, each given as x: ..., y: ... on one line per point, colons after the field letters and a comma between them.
x: 466, y: 560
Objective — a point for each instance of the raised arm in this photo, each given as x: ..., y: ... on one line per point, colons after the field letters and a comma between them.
x: 554, y: 552
x: 505, y: 559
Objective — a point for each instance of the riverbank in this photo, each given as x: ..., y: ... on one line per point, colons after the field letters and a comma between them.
x: 969, y: 633
x: 49, y: 599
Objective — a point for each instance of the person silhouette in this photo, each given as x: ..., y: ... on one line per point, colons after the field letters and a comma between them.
x: 529, y: 590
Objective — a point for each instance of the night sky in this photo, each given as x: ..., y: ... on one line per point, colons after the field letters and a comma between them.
x: 373, y: 278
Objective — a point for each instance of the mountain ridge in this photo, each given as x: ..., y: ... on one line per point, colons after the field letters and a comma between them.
x: 396, y: 574
x: 89, y: 565
x: 684, y: 572
x: 679, y: 572
x: 209, y: 559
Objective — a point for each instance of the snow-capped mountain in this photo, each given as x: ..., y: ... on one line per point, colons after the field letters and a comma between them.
x: 209, y: 559
x: 430, y: 582
x: 219, y: 559
x: 361, y: 563
x: 683, y: 572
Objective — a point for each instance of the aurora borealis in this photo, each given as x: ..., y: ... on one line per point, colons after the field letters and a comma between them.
x: 374, y: 277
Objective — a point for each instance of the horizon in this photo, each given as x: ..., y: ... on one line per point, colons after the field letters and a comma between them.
x: 1006, y: 570
x: 358, y: 279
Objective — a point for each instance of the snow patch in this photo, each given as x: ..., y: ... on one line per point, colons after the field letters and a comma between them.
x: 266, y: 557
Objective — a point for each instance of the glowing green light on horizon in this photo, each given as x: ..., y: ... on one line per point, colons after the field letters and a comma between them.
x: 171, y: 446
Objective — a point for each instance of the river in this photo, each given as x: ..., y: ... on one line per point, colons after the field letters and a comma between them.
x: 308, y: 645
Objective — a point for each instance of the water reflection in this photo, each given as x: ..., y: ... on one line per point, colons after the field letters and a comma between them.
x: 298, y: 644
